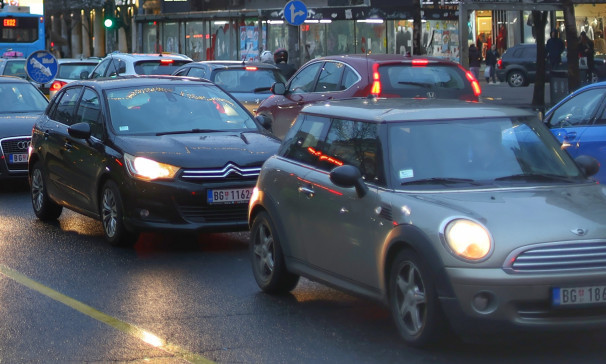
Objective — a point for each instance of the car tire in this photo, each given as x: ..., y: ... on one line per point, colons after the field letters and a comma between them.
x: 267, y: 258
x: 413, y: 300
x: 112, y: 217
x: 516, y: 78
x: 44, y: 208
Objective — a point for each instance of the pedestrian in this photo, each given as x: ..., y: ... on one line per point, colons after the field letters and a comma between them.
x: 492, y: 55
x: 554, y: 49
x: 281, y: 59
x: 267, y: 57
x: 586, y: 51
x: 475, y: 59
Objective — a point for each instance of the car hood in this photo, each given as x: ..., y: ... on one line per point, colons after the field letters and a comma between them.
x: 203, y: 150
x: 518, y: 217
x: 17, y: 124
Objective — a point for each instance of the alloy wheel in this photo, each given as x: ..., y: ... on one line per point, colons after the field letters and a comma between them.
x: 410, y: 298
x: 263, y: 251
x: 109, y: 212
x: 37, y: 190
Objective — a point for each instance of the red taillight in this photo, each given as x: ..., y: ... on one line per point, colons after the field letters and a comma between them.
x: 166, y: 61
x: 250, y: 68
x: 376, y: 81
x: 475, y: 85
x: 56, y: 86
x: 420, y: 62
x: 500, y: 64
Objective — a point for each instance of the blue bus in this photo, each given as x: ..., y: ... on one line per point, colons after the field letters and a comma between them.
x: 20, y: 31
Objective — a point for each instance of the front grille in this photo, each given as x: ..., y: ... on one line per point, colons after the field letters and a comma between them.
x: 216, y: 213
x: 16, y: 145
x: 558, y: 257
x: 231, y: 172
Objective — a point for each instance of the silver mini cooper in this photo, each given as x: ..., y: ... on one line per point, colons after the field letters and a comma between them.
x: 452, y: 213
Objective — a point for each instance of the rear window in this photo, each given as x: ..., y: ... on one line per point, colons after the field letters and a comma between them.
x: 444, y: 81
x: 15, y: 68
x: 72, y: 71
x: 243, y: 80
x: 158, y: 67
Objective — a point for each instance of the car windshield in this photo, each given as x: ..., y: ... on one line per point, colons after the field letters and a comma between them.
x: 15, y: 68
x: 248, y: 79
x: 21, y: 98
x: 444, y: 81
x: 170, y: 109
x: 158, y: 67
x: 72, y: 71
x: 476, y: 152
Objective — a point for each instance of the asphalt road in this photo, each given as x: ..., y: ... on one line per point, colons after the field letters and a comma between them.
x: 66, y: 296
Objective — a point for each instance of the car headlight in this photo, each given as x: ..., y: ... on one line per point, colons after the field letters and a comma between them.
x: 147, y: 169
x: 468, y: 239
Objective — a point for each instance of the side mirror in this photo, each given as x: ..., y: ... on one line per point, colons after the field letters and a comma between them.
x: 264, y: 120
x: 83, y: 75
x: 349, y: 176
x: 589, y: 165
x: 278, y: 88
x: 79, y: 131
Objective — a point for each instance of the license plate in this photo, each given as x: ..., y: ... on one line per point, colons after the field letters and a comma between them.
x: 17, y: 158
x: 571, y: 296
x: 234, y: 195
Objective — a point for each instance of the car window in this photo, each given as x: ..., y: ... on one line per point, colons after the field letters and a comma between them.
x: 407, y: 81
x: 355, y: 143
x: 116, y: 67
x: 100, y: 70
x: 245, y: 80
x: 72, y: 71
x: 305, y: 80
x: 183, y: 72
x: 349, y: 78
x: 330, y: 77
x: 158, y: 67
x: 20, y: 98
x: 89, y: 111
x: 530, y: 52
x: 304, y: 146
x: 15, y: 68
x: 577, y: 111
x: 64, y: 112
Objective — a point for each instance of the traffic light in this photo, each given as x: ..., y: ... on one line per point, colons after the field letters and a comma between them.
x: 111, y: 15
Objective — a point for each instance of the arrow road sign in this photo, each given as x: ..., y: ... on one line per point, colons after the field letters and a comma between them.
x: 295, y: 12
x: 41, y: 67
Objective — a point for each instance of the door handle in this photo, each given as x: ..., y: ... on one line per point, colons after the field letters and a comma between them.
x: 307, y: 191
x: 570, y: 135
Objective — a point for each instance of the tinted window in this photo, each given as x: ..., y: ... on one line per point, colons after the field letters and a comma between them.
x: 89, y: 111
x: 407, y: 81
x: 349, y: 78
x: 158, y: 67
x: 578, y: 110
x: 243, y: 80
x: 330, y: 77
x: 100, y: 71
x: 304, y: 145
x: 15, y: 68
x: 305, y: 80
x: 117, y: 67
x: 64, y: 113
x: 197, y: 72
x: 72, y: 71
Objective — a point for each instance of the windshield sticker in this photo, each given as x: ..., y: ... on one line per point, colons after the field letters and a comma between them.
x: 124, y: 128
x: 406, y: 173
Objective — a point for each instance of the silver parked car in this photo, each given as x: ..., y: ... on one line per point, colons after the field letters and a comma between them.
x: 451, y: 213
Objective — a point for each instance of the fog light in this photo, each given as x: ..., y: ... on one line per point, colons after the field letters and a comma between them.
x: 484, y: 302
x: 144, y: 213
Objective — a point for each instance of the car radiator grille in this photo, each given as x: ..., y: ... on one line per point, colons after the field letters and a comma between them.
x: 18, y: 145
x: 231, y: 172
x: 559, y: 257
x: 215, y: 213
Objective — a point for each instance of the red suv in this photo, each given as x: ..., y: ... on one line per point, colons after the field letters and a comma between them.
x: 360, y: 75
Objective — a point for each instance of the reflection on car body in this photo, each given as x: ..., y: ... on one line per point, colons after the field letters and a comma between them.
x: 147, y: 153
x: 452, y: 213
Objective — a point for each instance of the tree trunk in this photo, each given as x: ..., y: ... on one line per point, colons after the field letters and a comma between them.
x: 417, y: 28
x: 572, y: 46
x: 539, y: 20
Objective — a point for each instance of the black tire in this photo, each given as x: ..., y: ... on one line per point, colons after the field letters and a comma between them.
x: 414, y: 302
x: 516, y: 78
x: 112, y: 217
x: 44, y: 208
x: 267, y: 259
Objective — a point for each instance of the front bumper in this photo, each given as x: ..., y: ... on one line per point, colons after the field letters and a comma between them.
x: 515, y: 301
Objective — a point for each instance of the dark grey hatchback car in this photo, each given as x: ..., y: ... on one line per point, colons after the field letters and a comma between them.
x: 147, y: 153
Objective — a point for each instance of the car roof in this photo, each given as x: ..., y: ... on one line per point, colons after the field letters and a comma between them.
x: 148, y: 56
x: 135, y: 80
x: 383, y: 58
x: 93, y: 60
x: 231, y: 64
x: 399, y: 109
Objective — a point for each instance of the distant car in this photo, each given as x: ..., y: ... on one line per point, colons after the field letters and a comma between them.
x: 13, y: 67
x: 384, y: 75
x: 248, y: 82
x: 518, y: 66
x: 21, y: 103
x: 157, y: 153
x: 451, y: 213
x: 123, y: 64
x: 579, y: 123
x: 68, y: 70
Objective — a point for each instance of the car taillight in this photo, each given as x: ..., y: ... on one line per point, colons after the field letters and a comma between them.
x: 250, y: 68
x: 166, y: 61
x: 420, y: 62
x: 475, y: 85
x: 500, y: 64
x: 376, y: 81
x: 56, y: 86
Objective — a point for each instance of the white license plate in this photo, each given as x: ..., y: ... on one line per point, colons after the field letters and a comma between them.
x: 17, y: 158
x: 234, y: 195
x: 571, y: 296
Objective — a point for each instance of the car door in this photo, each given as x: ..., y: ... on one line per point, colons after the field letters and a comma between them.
x: 572, y: 122
x: 340, y: 227
x: 60, y: 117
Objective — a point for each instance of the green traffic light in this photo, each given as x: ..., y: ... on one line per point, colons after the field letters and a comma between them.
x: 108, y: 23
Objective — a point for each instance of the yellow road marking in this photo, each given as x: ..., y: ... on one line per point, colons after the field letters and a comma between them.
x: 125, y: 327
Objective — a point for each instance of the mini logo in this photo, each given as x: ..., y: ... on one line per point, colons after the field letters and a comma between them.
x: 23, y: 145
x: 579, y: 232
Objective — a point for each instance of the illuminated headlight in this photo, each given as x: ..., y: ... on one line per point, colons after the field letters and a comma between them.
x: 147, y: 169
x: 467, y: 239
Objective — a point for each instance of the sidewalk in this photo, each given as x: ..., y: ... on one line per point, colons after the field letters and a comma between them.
x: 503, y: 94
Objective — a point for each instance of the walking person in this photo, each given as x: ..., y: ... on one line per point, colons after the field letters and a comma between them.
x: 586, y: 50
x: 492, y: 55
x: 554, y: 49
x: 281, y: 60
x: 475, y: 60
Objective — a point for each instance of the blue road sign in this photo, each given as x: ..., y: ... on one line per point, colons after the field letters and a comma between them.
x: 295, y: 12
x: 41, y: 67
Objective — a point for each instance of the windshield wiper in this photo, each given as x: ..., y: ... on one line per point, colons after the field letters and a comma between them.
x: 422, y: 84
x: 440, y: 180
x: 191, y: 131
x: 261, y: 89
x: 534, y: 177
